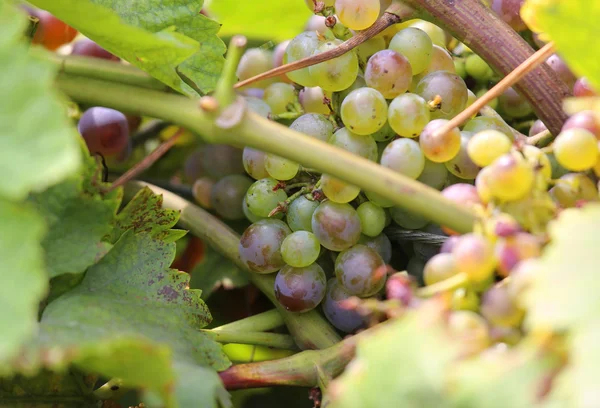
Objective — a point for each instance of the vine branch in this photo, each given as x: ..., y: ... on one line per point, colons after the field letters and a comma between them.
x: 265, y: 321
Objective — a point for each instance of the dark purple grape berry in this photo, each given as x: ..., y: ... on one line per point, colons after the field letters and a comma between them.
x: 260, y: 245
x: 300, y: 289
x: 104, y: 130
x: 341, y: 317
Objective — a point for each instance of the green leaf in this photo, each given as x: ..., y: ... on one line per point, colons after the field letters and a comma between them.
x: 132, y: 292
x: 144, y: 213
x: 39, y: 145
x: 23, y: 281
x: 215, y: 271
x: 286, y: 18
x: 403, y: 364
x: 564, y: 290
x: 573, y: 26
x: 156, y: 52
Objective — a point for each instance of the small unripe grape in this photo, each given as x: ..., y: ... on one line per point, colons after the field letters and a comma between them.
x: 280, y: 97
x: 300, y: 249
x: 363, y: 146
x: 364, y: 111
x: 335, y: 74
x: 281, y: 168
x: 301, y: 46
x: 510, y: 177
x: 263, y: 196
x: 255, y: 61
x: 486, y: 146
x: 576, y: 149
x: 311, y: 99
x: 315, y: 125
x: 439, y: 148
x: 415, y: 45
x: 372, y: 218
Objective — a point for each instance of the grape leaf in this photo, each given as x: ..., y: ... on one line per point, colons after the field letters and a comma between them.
x: 132, y: 292
x: 205, y: 66
x: 405, y: 363
x: 22, y: 278
x: 286, y: 18
x: 33, y: 156
x: 565, y: 287
x: 215, y: 271
x: 158, y: 53
x: 144, y: 213
x: 573, y: 26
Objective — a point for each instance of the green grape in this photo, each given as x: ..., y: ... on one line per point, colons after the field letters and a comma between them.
x: 311, y: 99
x: 227, y: 195
x: 459, y: 68
x: 260, y: 245
x: 415, y: 45
x: 336, y: 226
x: 385, y: 134
x: 474, y: 255
x: 357, y: 14
x: 335, y: 74
x: 337, y: 190
x: 254, y: 163
x: 404, y: 156
x: 280, y: 97
x: 300, y: 249
x: 372, y: 218
x: 572, y: 188
x: 470, y: 331
x: 360, y: 271
x: 315, y: 125
x: 364, y: 111
x: 255, y: 61
x: 576, y: 149
x: 450, y: 87
x: 510, y: 177
x: 434, y: 174
x: 258, y: 106
x: 408, y: 114
x: 481, y: 123
x: 407, y: 219
x: 263, y: 196
x: 461, y: 165
x: 435, y: 33
x: 499, y: 308
x: 300, y: 289
x: 514, y: 105
x: 380, y: 244
x: 302, y: 46
x: 370, y: 47
x: 439, y: 268
x: 441, y: 60
x: 248, y: 214
x: 338, y: 97
x: 388, y: 72
x: 281, y: 168
x: 299, y: 214
x: 487, y: 145
x: 364, y: 146
x: 478, y: 68
x: 439, y: 148
x: 201, y: 190
x: 379, y: 200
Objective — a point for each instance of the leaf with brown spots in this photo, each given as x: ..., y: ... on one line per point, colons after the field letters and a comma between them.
x: 144, y: 213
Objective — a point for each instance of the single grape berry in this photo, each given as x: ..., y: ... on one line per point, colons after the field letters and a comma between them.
x: 254, y: 163
x: 474, y: 255
x: 300, y: 289
x: 104, y: 130
x: 380, y: 244
x: 336, y: 226
x: 408, y: 114
x: 264, y: 195
x: 361, y: 271
x: 299, y: 214
x: 315, y: 125
x: 441, y: 147
x: 486, y: 146
x: 300, y: 249
x: 510, y: 177
x: 404, y: 156
x: 364, y: 146
x: 334, y: 310
x: 335, y: 74
x: 51, y: 33
x: 389, y: 72
x: 227, y: 196
x: 415, y: 45
x: 260, y: 245
x: 337, y: 190
x: 357, y: 14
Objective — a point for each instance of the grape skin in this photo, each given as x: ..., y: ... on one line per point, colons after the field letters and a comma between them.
x: 388, y: 72
x: 301, y: 46
x: 434, y: 174
x: 486, y: 146
x: 280, y: 97
x: 311, y: 99
x: 300, y: 249
x: 461, y: 165
x: 415, y: 45
x: 105, y: 131
x: 88, y: 48
x: 255, y: 61
x: 380, y: 244
x: 372, y: 218
x: 474, y: 255
x: 439, y: 148
x: 357, y: 14
x: 359, y: 270
x: 227, y: 196
x: 450, y: 87
x: 404, y: 156
x: 408, y: 115
x: 263, y: 196
x: 254, y: 163
x: 364, y: 146
x: 315, y: 125
x: 260, y: 245
x: 337, y: 190
x: 335, y: 74
x: 281, y: 168
x: 336, y: 226
x: 341, y: 318
x: 364, y: 111
x: 299, y: 214
x: 510, y: 177
x: 439, y: 268
x: 407, y: 219
x: 576, y: 149
x: 300, y: 289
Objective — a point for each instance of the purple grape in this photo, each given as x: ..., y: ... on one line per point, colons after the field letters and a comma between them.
x: 342, y: 318
x: 563, y: 71
x: 104, y: 130
x: 583, y: 120
x: 260, y: 245
x: 88, y: 48
x: 300, y: 289
x: 336, y: 226
x: 220, y: 160
x: 360, y: 270
x: 537, y: 127
x: 228, y: 194
x: 583, y: 88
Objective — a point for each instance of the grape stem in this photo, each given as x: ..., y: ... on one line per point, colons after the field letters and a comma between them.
x: 283, y: 206
x: 479, y: 28
x: 515, y: 76
x: 393, y: 15
x: 454, y: 282
x: 275, y: 340
x: 260, y: 133
x: 264, y: 321
x: 148, y: 161
x: 310, y: 330
x: 224, y: 90
x: 541, y: 139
